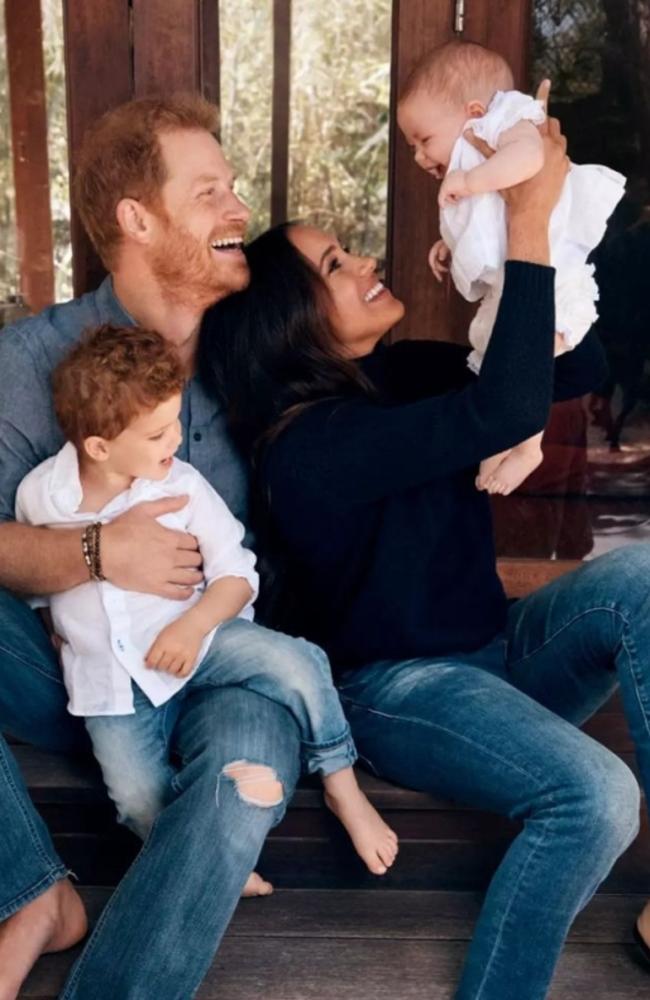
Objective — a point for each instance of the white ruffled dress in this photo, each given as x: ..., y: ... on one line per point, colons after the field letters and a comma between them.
x: 474, y: 229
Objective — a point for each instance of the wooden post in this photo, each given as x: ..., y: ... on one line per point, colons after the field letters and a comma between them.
x: 30, y: 159
x: 98, y: 77
x: 435, y: 311
x: 280, y: 115
x: 166, y: 49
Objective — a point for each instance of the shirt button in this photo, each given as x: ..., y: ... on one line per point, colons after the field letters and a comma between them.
x: 197, y: 435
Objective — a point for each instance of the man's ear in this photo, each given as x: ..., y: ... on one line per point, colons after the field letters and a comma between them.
x: 96, y: 448
x: 134, y: 219
x: 475, y: 109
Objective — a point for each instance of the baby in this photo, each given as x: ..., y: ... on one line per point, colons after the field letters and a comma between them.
x: 462, y: 86
x: 129, y: 658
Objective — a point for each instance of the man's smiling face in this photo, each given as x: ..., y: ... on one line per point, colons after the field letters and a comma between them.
x: 196, y: 253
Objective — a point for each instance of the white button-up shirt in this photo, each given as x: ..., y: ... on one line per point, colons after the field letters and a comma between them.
x: 107, y: 631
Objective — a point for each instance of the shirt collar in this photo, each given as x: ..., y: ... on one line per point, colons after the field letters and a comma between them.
x: 109, y: 307
x: 65, y: 485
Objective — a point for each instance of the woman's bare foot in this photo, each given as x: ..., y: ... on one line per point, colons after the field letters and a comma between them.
x: 54, y: 921
x: 374, y: 841
x: 255, y: 886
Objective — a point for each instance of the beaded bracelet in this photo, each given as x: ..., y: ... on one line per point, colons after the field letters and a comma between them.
x: 90, y: 546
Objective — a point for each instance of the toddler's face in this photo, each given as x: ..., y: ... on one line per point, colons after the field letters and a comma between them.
x: 431, y: 127
x: 146, y: 447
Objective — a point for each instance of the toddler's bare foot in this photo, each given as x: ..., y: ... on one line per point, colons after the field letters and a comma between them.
x: 374, y: 841
x: 513, y: 470
x: 256, y: 886
x: 54, y: 921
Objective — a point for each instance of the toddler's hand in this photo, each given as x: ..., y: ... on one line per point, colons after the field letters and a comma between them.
x: 453, y: 188
x: 439, y: 255
x: 175, y: 650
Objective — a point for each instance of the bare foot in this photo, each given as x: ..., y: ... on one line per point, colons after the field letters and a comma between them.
x: 54, y: 921
x: 374, y: 841
x: 488, y: 467
x: 513, y: 470
x: 255, y: 886
x: 643, y: 924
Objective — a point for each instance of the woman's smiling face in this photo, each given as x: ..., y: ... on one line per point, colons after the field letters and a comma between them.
x: 361, y: 309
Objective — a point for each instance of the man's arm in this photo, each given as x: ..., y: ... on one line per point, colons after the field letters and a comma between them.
x: 137, y: 553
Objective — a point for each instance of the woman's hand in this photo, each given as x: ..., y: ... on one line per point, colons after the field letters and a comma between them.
x: 530, y: 203
x: 539, y: 194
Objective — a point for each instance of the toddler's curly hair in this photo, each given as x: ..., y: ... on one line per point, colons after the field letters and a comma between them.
x: 113, y: 374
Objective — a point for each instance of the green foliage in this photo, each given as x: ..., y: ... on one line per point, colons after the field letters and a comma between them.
x: 340, y: 83
x: 58, y: 158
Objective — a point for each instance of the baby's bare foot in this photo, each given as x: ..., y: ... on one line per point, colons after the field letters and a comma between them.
x: 54, y: 921
x: 256, y: 886
x: 513, y: 471
x: 374, y: 841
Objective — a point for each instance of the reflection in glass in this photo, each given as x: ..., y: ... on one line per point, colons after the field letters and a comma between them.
x: 592, y: 492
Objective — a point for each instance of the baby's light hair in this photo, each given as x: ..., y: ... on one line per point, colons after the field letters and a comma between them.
x: 459, y: 72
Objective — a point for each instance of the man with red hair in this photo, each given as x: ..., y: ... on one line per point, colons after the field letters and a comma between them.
x: 157, y: 198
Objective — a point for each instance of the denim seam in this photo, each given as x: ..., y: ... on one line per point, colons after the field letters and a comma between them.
x: 56, y: 874
x: 340, y: 741
x: 550, y: 638
x: 90, y: 947
x: 449, y: 732
x: 630, y: 649
x: 499, y: 936
x: 35, y: 836
x: 30, y: 664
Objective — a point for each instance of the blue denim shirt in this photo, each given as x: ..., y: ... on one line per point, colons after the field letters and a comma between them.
x: 29, y: 432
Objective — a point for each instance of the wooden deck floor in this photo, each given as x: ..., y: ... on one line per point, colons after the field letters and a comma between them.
x: 333, y: 932
x: 381, y: 945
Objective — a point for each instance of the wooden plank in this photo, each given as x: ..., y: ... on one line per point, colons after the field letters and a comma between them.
x: 29, y: 148
x: 166, y: 46
x: 521, y: 577
x: 409, y: 915
x: 366, y: 969
x: 280, y: 113
x: 98, y: 77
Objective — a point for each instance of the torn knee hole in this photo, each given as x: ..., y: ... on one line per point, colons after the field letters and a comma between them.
x: 256, y: 784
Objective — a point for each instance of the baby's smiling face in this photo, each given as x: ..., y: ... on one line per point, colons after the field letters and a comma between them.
x: 431, y: 127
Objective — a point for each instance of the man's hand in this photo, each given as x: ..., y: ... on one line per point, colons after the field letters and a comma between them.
x: 439, y: 256
x: 176, y: 649
x: 453, y: 188
x: 140, y: 554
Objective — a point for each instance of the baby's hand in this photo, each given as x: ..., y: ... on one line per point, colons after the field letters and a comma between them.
x: 439, y: 255
x: 176, y: 649
x: 453, y: 188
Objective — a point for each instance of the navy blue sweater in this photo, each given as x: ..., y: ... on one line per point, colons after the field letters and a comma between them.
x: 389, y: 543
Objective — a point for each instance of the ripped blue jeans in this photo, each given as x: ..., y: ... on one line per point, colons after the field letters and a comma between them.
x: 133, y: 751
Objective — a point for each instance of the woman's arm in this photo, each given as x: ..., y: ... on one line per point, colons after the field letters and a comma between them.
x: 358, y: 452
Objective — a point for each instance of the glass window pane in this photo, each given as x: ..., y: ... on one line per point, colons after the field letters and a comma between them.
x: 57, y: 139
x: 9, y: 274
x: 246, y: 43
x: 592, y: 492
x: 340, y: 85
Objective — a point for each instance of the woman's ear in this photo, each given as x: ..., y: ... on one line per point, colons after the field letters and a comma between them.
x: 475, y: 109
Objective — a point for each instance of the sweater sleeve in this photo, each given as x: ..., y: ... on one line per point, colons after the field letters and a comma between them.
x: 356, y: 451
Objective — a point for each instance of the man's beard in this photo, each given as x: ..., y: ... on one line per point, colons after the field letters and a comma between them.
x: 189, y: 273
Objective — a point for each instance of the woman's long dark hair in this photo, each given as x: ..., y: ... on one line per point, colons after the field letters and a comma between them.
x: 267, y: 353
